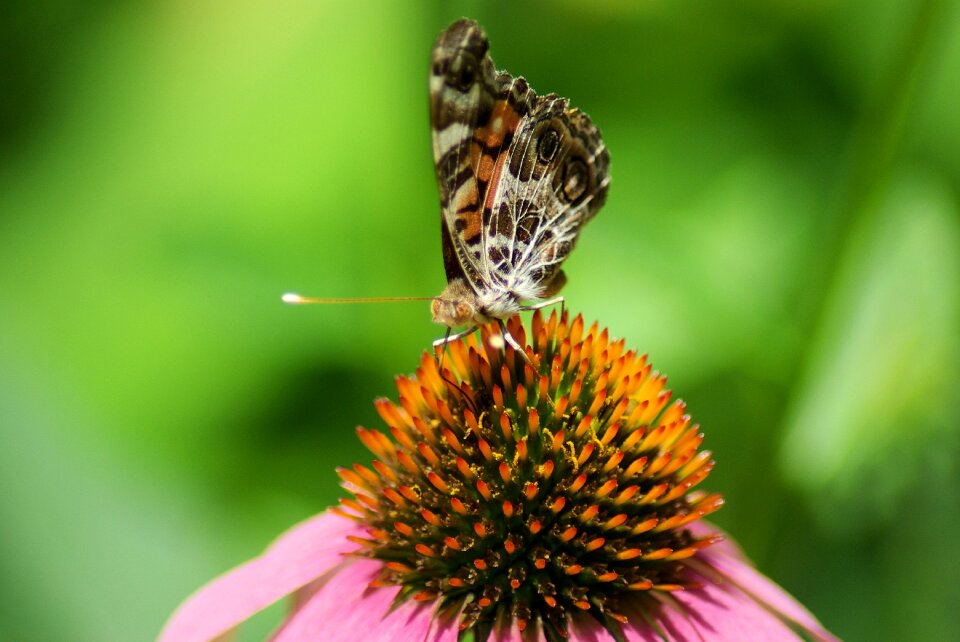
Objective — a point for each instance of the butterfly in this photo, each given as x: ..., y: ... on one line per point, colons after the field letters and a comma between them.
x: 519, y: 175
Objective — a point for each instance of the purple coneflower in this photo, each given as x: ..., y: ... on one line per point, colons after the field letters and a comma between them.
x: 552, y: 501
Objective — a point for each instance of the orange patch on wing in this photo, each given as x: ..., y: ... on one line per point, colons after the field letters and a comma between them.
x: 476, y: 157
x: 485, y: 168
x: 503, y: 119
x: 471, y: 217
x: 474, y: 224
x: 497, y: 171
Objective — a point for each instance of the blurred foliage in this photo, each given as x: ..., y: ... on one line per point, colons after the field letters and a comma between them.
x: 781, y: 236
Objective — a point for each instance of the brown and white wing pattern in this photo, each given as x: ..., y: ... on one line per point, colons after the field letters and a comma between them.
x: 555, y: 180
x: 464, y: 94
x: 518, y: 176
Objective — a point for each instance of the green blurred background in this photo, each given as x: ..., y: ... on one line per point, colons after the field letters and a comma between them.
x: 781, y: 236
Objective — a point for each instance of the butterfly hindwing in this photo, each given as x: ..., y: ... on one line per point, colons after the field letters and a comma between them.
x: 555, y: 181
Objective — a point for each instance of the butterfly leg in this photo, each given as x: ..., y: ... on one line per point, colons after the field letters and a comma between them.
x: 443, y: 353
x: 447, y: 338
x: 513, y: 342
x: 544, y: 304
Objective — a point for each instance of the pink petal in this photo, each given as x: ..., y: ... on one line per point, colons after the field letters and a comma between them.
x: 507, y: 634
x: 765, y: 591
x: 583, y: 628
x: 299, y: 556
x: 444, y: 629
x: 712, y: 613
x: 727, y: 558
x: 345, y: 610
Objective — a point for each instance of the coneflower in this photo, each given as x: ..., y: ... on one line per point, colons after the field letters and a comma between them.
x: 549, y: 497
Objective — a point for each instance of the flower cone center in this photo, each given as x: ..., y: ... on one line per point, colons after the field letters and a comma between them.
x: 516, y: 490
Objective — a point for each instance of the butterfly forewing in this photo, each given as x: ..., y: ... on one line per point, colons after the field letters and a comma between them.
x: 463, y: 88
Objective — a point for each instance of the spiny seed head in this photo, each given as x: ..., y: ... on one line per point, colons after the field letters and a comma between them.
x: 532, y: 489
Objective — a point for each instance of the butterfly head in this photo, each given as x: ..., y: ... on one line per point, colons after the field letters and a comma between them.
x: 457, y: 305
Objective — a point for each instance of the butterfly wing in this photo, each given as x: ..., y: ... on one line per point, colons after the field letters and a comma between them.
x: 518, y: 175
x: 463, y: 90
x: 555, y: 180
x: 475, y: 112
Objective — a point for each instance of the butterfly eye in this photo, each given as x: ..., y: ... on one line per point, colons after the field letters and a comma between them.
x: 547, y: 145
x: 575, y: 179
x: 461, y: 72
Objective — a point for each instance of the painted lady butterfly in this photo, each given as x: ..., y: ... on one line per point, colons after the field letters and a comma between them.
x: 519, y: 175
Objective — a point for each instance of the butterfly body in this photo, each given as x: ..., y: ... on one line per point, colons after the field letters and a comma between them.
x: 519, y: 174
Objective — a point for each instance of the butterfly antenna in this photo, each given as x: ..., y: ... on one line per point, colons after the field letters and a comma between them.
x: 296, y: 299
